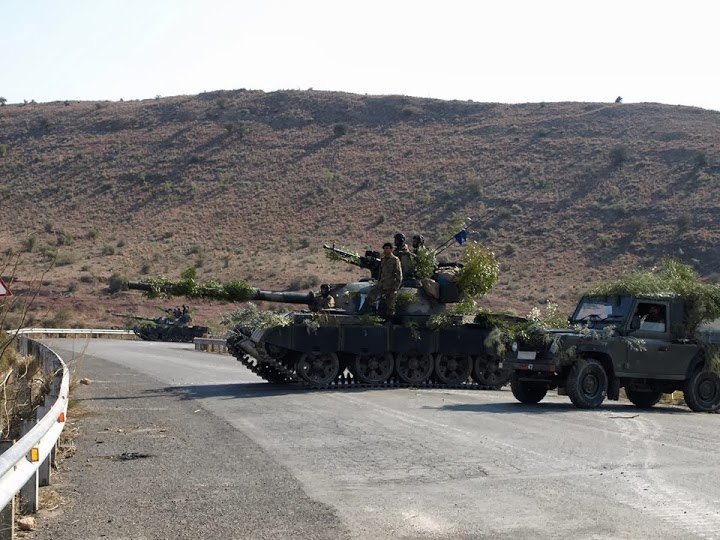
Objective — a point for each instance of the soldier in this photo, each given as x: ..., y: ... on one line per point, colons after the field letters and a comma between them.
x: 418, y: 242
x: 322, y: 300
x: 402, y: 252
x: 389, y: 282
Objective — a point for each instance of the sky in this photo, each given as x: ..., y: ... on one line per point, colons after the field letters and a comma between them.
x: 508, y: 51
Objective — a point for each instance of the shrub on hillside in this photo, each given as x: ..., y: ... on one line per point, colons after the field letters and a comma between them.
x: 340, y: 129
x: 700, y: 160
x: 684, y: 221
x: 618, y: 156
x: 116, y: 283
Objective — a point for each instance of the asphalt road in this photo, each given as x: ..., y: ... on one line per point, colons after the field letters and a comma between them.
x: 246, y: 459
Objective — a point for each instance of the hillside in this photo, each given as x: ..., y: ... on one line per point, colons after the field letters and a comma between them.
x: 247, y: 184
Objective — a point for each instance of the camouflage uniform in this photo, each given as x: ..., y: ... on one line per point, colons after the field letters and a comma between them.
x: 403, y: 253
x: 322, y: 302
x: 390, y: 279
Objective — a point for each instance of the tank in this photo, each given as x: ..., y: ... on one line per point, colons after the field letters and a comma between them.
x: 422, y: 346
x: 174, y: 327
x: 351, y: 345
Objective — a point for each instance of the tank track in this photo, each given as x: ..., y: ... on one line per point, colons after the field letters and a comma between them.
x: 274, y: 372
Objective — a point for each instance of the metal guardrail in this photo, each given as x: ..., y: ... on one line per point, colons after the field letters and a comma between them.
x: 210, y: 344
x: 25, y: 465
x: 74, y: 332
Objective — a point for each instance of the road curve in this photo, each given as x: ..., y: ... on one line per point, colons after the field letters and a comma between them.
x: 405, y: 463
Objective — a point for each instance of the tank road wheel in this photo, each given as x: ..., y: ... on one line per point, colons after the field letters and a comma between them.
x: 528, y: 391
x: 452, y: 370
x: 414, y: 369
x: 318, y: 369
x: 374, y: 368
x: 486, y: 373
x: 587, y: 384
x: 702, y: 392
x: 643, y: 400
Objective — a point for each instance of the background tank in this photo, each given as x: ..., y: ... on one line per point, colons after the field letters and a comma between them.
x: 174, y: 327
x: 350, y: 346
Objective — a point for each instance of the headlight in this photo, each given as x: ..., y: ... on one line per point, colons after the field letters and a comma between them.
x: 514, y: 346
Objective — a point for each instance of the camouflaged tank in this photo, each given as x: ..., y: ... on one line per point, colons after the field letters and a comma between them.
x: 175, y: 328
x: 349, y: 346
x: 352, y: 344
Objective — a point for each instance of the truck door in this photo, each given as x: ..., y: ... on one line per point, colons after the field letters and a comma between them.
x: 654, y: 355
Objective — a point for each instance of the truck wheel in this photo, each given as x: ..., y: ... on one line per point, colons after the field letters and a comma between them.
x: 587, y: 384
x: 702, y: 392
x: 643, y: 400
x: 528, y: 391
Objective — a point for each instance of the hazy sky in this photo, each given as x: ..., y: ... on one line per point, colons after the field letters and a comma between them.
x: 491, y: 51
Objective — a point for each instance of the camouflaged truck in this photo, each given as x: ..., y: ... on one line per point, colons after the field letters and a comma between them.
x: 643, y: 344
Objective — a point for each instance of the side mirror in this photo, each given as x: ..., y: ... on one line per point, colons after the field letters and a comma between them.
x: 635, y: 322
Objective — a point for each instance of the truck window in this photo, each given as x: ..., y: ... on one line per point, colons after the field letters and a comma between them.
x: 653, y: 317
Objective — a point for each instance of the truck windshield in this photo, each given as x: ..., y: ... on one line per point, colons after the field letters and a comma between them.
x: 611, y: 309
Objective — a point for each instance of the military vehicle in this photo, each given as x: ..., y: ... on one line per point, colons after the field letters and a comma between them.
x: 350, y: 345
x: 174, y: 327
x: 642, y: 343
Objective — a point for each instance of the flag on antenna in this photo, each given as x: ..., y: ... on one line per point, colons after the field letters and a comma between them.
x: 461, y: 237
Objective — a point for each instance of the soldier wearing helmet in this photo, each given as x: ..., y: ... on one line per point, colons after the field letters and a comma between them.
x: 402, y: 252
x: 418, y: 242
x: 323, y: 300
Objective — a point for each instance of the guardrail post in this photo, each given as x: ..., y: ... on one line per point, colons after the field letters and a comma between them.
x: 44, y: 470
x: 29, y: 492
x: 23, y: 345
x: 7, y: 516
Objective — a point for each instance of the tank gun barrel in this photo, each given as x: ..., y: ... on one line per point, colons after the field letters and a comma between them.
x: 285, y: 297
x: 139, y: 286
x: 251, y: 293
x: 131, y: 316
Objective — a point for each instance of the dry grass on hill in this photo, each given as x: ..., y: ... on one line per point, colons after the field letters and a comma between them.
x: 249, y: 185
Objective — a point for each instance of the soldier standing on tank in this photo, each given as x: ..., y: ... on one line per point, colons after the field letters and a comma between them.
x: 418, y: 242
x: 402, y: 252
x: 389, y: 281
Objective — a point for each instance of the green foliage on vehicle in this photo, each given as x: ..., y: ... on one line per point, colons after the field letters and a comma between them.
x: 673, y: 277
x: 188, y: 286
x: 424, y: 263
x: 252, y: 317
x: 480, y: 271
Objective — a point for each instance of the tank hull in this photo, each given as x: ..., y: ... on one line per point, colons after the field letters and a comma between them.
x: 346, y: 354
x: 174, y: 333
